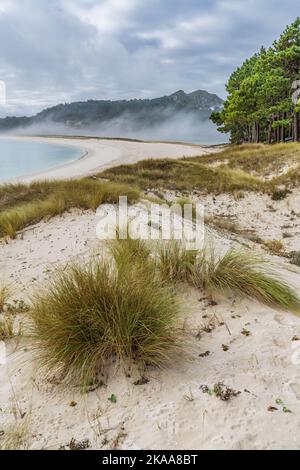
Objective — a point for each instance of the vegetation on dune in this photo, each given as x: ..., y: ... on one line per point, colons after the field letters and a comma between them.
x: 129, y: 251
x: 22, y: 205
x: 92, y: 314
x: 6, y: 327
x: 258, y: 168
x: 259, y: 107
x: 174, y: 262
x: 126, y: 309
x: 183, y: 175
x: 5, y: 292
x: 247, y: 275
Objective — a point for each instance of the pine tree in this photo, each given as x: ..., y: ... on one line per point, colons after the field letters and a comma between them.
x: 259, y: 107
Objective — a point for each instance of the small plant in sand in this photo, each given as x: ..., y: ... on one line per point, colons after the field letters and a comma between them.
x: 244, y: 274
x: 275, y: 246
x: 90, y: 315
x: 16, y: 436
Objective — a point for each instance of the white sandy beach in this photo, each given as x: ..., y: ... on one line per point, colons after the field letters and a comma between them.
x: 171, y: 411
x: 99, y: 154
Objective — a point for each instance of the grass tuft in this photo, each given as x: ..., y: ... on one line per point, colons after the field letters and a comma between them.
x: 95, y: 313
x: 16, y: 436
x: 174, y: 262
x: 5, y: 292
x: 246, y: 275
x: 6, y: 328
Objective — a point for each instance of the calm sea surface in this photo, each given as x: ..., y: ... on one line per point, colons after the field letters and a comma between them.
x: 19, y: 158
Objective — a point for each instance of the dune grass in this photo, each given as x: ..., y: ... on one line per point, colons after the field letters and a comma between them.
x: 6, y: 327
x: 5, y: 292
x: 16, y: 436
x: 92, y: 314
x: 295, y: 258
x: 183, y: 175
x: 174, y: 262
x: 244, y: 274
x: 23, y: 205
x: 125, y: 308
x: 234, y: 169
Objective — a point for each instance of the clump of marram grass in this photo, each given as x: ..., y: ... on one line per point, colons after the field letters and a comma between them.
x: 247, y: 275
x: 174, y: 262
x: 92, y: 314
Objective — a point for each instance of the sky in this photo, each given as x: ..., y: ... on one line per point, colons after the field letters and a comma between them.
x: 54, y: 51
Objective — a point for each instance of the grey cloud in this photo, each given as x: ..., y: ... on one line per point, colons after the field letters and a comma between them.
x: 109, y: 49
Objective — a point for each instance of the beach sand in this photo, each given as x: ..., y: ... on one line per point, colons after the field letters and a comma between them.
x: 171, y: 411
x: 99, y: 154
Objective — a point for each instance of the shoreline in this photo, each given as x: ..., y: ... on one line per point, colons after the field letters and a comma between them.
x: 102, y: 153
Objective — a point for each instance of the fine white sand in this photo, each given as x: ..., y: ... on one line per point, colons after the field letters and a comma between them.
x: 99, y: 154
x: 171, y: 411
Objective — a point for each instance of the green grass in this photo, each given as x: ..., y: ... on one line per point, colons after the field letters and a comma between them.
x: 90, y: 315
x: 23, y: 205
x: 246, y: 275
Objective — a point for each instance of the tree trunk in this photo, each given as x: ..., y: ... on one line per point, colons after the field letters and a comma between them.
x: 296, y: 127
x: 270, y: 133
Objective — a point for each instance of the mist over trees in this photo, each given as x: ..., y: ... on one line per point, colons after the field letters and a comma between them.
x: 134, y: 114
x: 260, y: 105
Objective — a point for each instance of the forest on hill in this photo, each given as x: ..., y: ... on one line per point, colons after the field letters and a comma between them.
x: 137, y: 113
x: 263, y: 102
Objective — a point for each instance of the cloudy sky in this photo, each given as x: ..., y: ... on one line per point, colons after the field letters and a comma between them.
x: 64, y: 50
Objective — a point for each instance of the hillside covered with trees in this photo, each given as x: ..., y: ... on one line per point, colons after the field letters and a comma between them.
x: 136, y: 113
x: 263, y: 100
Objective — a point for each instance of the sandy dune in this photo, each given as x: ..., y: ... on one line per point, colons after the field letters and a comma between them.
x: 99, y: 154
x: 171, y: 411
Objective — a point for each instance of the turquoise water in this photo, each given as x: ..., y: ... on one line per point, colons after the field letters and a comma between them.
x: 19, y: 158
